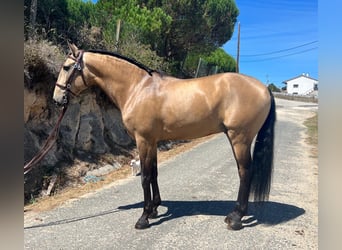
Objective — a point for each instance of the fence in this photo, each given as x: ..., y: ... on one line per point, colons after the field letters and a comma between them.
x: 204, y: 68
x: 301, y: 98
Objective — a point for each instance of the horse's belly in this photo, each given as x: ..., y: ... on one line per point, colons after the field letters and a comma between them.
x: 183, y: 130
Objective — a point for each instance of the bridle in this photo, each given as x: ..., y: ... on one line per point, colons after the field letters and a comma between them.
x: 78, y: 66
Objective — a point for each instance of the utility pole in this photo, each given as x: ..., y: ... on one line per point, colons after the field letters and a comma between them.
x: 198, y: 67
x: 118, y: 28
x: 238, y: 50
x: 33, y: 16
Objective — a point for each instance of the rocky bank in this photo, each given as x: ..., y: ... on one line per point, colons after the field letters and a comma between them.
x: 91, y: 129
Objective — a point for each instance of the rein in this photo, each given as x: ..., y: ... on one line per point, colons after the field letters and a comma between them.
x: 77, y: 67
x: 47, y: 146
x: 53, y: 136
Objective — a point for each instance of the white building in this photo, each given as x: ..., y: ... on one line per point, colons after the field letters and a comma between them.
x: 302, y: 85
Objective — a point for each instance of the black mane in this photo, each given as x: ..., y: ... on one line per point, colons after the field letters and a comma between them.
x: 130, y: 60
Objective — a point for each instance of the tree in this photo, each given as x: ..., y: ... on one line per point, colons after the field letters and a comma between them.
x: 51, y: 19
x: 136, y: 18
x: 225, y: 62
x: 33, y: 16
x: 217, y: 58
x: 197, y: 25
x: 174, y: 29
x: 80, y: 29
x: 273, y: 88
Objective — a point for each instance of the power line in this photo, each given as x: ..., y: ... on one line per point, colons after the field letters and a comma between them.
x: 280, y: 51
x: 277, y: 57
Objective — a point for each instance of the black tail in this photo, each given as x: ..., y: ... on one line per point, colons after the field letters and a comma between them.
x: 262, y: 163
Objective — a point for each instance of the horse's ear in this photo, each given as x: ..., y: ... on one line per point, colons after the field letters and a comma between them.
x: 73, y: 49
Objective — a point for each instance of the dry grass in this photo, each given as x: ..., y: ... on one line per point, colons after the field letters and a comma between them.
x: 40, y: 57
x: 312, y: 134
x: 68, y: 193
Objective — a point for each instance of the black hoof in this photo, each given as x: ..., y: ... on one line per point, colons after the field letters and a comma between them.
x: 142, y: 224
x: 234, y: 222
x: 235, y: 225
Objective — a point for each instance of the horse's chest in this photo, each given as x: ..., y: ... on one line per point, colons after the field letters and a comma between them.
x: 140, y: 120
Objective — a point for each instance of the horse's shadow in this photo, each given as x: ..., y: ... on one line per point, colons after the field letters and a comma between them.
x: 269, y: 213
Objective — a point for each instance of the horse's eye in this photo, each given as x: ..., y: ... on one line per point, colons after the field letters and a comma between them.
x: 66, y: 68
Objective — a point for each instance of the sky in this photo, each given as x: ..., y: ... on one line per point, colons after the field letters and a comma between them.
x: 278, y: 39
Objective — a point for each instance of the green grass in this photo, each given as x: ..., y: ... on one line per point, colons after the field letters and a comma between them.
x: 312, y: 133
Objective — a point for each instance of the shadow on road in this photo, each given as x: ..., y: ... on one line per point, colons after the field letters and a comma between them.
x: 67, y: 221
x: 269, y: 213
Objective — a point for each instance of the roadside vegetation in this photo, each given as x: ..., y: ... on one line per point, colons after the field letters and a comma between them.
x: 312, y: 133
x: 169, y: 36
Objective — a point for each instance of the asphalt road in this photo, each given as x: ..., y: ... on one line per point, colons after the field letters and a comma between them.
x: 198, y: 189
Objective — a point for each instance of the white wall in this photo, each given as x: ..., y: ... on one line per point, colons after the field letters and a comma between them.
x: 304, y: 85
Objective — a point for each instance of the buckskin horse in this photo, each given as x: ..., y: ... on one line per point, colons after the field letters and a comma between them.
x: 155, y: 107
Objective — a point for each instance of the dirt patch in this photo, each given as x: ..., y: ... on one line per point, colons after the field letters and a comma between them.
x: 74, y: 188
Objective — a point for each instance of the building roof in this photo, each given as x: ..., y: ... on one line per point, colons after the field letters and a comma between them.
x: 302, y: 75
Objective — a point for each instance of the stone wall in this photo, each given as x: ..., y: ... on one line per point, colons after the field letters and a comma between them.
x: 91, y: 127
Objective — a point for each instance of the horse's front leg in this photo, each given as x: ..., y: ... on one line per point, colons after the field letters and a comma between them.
x: 155, y: 189
x: 148, y: 159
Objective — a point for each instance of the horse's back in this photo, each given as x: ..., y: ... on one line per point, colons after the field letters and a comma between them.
x: 212, y: 104
x: 225, y: 83
x: 225, y: 89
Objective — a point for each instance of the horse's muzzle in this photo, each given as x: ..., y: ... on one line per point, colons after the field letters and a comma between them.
x: 61, y: 102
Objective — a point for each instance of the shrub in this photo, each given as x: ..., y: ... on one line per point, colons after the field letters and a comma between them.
x: 42, y: 60
x: 143, y: 53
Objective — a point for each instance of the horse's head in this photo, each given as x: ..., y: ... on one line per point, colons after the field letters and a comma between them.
x: 71, y: 78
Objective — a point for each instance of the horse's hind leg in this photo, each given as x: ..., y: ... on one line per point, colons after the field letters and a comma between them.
x: 241, y: 149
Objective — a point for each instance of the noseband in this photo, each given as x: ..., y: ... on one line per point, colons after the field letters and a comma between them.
x: 78, y: 66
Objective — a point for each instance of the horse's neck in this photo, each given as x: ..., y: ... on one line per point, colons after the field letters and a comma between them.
x: 115, y: 77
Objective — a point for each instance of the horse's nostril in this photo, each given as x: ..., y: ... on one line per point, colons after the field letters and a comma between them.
x: 62, y: 103
x: 57, y: 103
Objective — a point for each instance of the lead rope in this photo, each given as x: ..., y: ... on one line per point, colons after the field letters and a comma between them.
x: 50, y: 141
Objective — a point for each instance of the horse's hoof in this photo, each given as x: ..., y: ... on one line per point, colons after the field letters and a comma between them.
x: 142, y: 224
x: 153, y: 215
x: 233, y: 223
